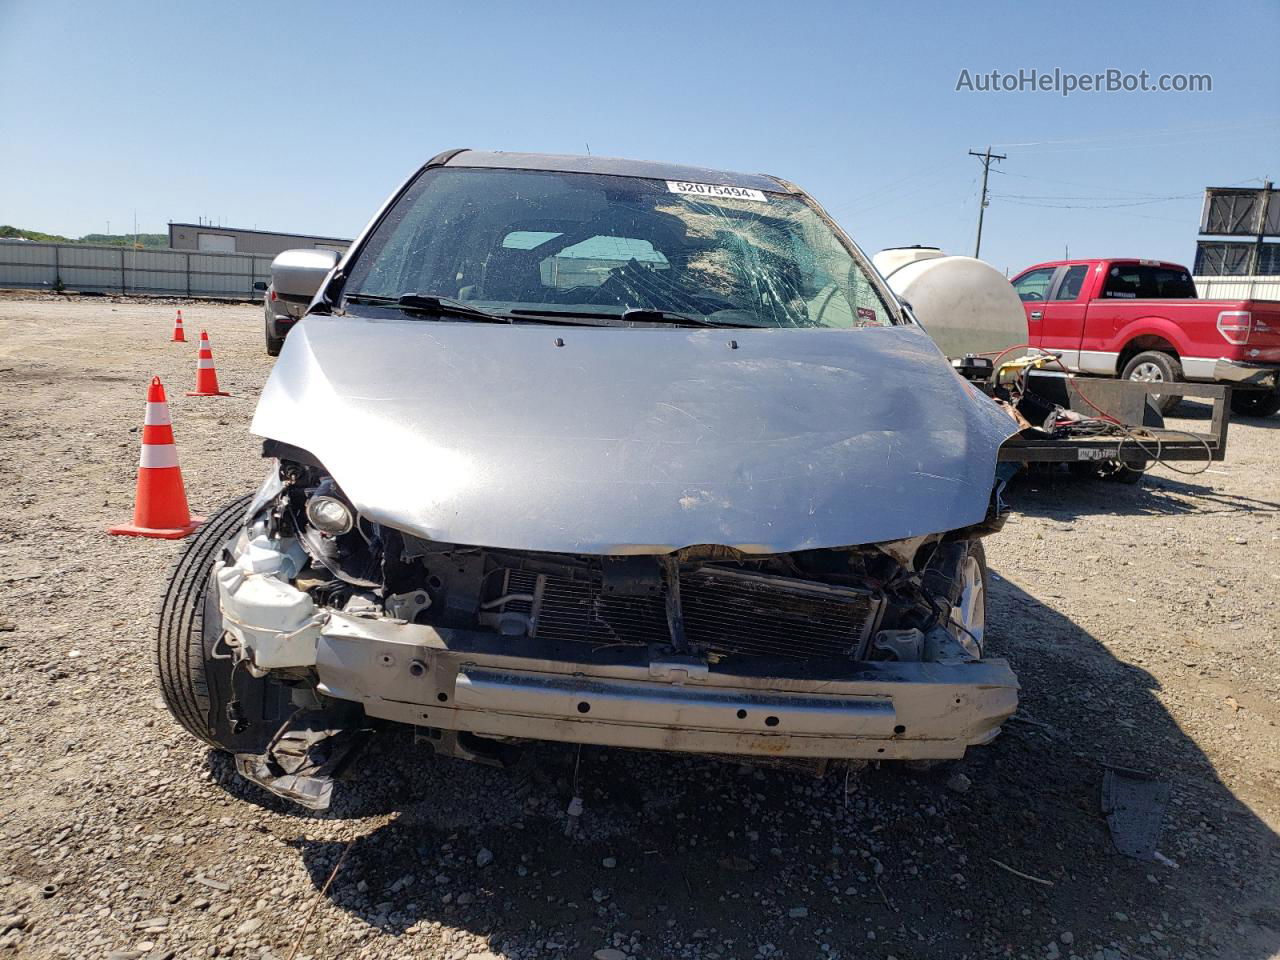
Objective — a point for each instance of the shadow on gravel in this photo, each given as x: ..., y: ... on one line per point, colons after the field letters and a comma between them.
x: 698, y: 857
x: 1056, y: 494
x: 1193, y: 410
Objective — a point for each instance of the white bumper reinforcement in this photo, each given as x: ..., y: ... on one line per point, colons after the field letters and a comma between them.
x: 480, y: 683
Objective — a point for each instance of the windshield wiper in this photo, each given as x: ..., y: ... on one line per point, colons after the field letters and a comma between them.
x: 429, y: 303
x: 633, y: 315
x: 638, y: 315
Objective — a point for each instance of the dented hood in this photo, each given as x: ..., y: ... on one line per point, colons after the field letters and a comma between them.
x: 611, y: 441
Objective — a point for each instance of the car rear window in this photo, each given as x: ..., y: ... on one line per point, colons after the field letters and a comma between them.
x: 1133, y: 281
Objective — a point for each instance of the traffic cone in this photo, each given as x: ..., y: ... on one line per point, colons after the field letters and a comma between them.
x: 206, y: 375
x: 160, y: 505
x: 178, y: 335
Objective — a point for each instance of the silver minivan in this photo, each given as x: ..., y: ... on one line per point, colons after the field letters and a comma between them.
x: 601, y: 452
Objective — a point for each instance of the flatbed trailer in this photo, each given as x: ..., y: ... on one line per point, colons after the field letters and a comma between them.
x: 1130, y: 403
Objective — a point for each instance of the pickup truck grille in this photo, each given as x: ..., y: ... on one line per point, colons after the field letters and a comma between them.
x: 725, y: 611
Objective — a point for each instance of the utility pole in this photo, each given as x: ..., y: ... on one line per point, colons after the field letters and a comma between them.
x: 986, y: 159
x: 1255, y: 257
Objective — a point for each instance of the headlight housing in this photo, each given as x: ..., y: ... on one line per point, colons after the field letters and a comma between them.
x: 330, y: 515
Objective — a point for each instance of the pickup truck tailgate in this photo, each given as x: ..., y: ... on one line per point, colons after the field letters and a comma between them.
x: 1264, y: 330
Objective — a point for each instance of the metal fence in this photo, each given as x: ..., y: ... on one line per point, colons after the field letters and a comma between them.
x: 1238, y: 288
x: 152, y: 272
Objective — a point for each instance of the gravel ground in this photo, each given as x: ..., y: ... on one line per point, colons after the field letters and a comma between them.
x: 1143, y: 623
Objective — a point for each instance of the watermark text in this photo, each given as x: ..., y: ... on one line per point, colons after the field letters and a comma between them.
x: 1065, y: 83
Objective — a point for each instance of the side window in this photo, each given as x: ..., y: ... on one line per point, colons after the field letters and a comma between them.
x: 1165, y: 284
x: 1124, y: 281
x: 1034, y: 286
x: 1072, y: 282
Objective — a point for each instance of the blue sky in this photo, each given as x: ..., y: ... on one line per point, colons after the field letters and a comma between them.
x: 303, y: 117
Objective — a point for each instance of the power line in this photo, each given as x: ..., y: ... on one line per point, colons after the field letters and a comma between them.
x: 1030, y: 202
x: 1118, y: 201
x: 1146, y: 134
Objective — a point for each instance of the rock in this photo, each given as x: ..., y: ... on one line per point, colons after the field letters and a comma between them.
x: 796, y: 913
x: 609, y: 953
x: 1067, y: 937
x: 13, y: 921
x: 959, y: 783
x: 484, y: 857
x: 249, y: 926
x: 465, y: 898
x: 609, y: 862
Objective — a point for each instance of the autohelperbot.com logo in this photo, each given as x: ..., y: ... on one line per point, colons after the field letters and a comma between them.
x: 1065, y: 83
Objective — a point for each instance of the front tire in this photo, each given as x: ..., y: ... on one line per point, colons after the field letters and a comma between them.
x: 1154, y: 366
x: 1255, y: 403
x: 969, y: 596
x: 196, y: 681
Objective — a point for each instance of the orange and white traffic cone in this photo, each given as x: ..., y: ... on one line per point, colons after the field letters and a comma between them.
x: 178, y: 335
x: 206, y: 375
x: 160, y: 505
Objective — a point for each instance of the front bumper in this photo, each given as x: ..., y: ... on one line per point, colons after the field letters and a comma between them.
x: 484, y: 684
x: 1244, y: 374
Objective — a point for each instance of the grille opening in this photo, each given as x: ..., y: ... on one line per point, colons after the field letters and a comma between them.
x: 725, y: 611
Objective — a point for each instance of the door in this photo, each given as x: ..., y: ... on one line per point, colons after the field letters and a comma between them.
x: 1062, y: 315
x: 215, y: 243
x: 1033, y: 289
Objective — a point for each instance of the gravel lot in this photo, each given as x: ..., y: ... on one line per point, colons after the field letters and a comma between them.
x: 1143, y: 622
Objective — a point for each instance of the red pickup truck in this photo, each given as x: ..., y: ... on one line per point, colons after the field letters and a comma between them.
x: 1142, y: 320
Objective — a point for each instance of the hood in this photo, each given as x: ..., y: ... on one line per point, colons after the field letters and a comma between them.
x: 608, y: 440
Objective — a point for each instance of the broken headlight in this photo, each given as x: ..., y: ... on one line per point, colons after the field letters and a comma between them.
x: 330, y: 515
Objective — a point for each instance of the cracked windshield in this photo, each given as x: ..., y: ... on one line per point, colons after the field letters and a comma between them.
x: 525, y: 244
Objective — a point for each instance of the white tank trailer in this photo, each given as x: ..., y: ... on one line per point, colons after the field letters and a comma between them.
x: 966, y: 305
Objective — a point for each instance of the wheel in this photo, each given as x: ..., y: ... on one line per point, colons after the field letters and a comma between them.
x: 273, y: 343
x: 1255, y: 403
x: 1123, y: 473
x: 1154, y: 366
x: 196, y: 678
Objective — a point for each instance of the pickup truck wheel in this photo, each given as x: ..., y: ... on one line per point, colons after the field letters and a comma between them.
x: 195, y: 678
x: 1154, y: 366
x: 1255, y: 403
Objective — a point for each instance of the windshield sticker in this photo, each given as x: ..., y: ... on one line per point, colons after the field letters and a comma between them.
x: 867, y: 315
x: 715, y: 191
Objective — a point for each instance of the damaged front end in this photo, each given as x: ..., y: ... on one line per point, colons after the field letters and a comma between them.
x: 855, y: 653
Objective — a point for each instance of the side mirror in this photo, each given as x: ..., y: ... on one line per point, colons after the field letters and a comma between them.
x: 296, y: 275
x: 260, y: 286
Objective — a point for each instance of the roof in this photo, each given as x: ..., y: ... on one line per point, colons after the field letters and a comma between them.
x: 210, y: 228
x: 610, y: 166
